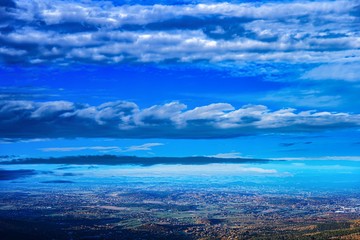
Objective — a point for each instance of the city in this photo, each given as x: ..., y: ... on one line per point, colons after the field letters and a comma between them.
x: 142, y: 206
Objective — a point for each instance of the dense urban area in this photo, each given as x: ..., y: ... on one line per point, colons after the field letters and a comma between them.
x: 61, y: 210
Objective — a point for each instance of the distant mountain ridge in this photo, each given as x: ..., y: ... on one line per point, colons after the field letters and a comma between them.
x: 118, y: 160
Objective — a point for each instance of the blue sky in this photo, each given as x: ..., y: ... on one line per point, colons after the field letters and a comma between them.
x: 263, y: 79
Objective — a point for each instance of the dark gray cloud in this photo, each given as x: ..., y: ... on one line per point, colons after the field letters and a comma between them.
x: 7, y: 4
x: 6, y: 15
x: 69, y: 174
x: 287, y: 144
x: 65, y: 168
x: 121, y: 119
x: 33, y: 32
x: 290, y: 144
x: 216, y: 27
x: 15, y: 174
x: 58, y: 181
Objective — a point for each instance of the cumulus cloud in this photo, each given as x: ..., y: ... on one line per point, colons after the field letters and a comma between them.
x: 121, y: 119
x: 95, y: 31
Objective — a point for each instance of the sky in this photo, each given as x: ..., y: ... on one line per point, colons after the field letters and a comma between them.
x: 259, y: 79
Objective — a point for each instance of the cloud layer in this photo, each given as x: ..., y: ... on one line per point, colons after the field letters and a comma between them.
x: 122, y: 119
x: 34, y: 32
x: 143, y: 147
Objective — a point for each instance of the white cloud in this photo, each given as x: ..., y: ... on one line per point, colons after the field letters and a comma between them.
x: 45, y: 110
x: 143, y: 147
x: 325, y: 158
x: 337, y: 71
x: 167, y: 113
x: 209, y: 112
x: 58, y: 119
x: 227, y: 155
x: 208, y: 170
x: 94, y: 31
x: 304, y: 98
x: 53, y: 12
